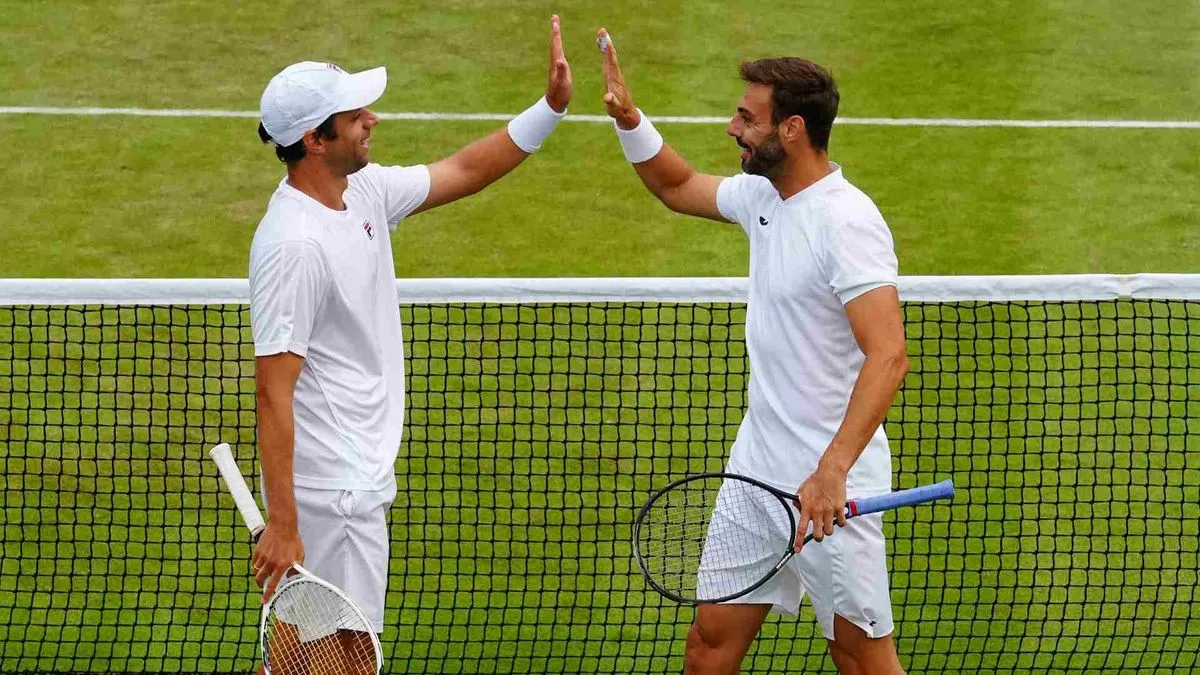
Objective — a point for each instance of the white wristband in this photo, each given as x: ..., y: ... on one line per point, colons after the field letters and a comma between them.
x: 640, y: 143
x: 530, y: 129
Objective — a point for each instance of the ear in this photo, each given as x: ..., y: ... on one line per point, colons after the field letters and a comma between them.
x: 314, y: 144
x: 793, y: 129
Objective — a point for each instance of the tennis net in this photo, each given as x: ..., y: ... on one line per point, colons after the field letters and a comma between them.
x: 541, y: 414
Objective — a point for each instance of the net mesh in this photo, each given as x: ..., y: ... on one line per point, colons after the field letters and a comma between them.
x: 535, y: 432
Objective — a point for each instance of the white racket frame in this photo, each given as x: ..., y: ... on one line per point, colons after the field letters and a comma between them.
x: 222, y: 455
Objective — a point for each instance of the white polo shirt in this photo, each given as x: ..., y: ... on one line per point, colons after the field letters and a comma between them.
x: 809, y: 256
x: 323, y: 286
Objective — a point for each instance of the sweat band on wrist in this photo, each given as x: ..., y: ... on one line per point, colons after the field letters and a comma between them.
x: 530, y: 129
x: 640, y: 143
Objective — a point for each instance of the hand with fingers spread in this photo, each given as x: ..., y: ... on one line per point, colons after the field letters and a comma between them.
x: 618, y: 102
x: 822, y: 503
x: 278, y: 549
x: 560, y: 86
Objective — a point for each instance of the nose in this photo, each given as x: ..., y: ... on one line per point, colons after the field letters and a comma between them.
x: 731, y: 128
x: 370, y: 119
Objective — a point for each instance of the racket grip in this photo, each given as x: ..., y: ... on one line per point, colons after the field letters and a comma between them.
x: 909, y: 497
x: 222, y: 455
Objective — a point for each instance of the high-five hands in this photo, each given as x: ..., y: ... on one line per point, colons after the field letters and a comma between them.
x: 618, y: 102
x: 559, y: 87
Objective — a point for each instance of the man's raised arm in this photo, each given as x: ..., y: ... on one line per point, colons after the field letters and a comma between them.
x: 488, y: 159
x: 665, y: 173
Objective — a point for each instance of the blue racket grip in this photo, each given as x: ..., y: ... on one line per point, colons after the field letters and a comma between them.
x: 909, y: 497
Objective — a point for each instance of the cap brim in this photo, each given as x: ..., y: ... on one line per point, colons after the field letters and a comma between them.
x: 361, y: 89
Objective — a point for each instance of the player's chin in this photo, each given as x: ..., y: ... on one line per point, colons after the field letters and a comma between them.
x: 755, y: 167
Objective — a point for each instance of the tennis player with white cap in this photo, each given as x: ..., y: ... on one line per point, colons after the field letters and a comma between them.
x: 325, y: 316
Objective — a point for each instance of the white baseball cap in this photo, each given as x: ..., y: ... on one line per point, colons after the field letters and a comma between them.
x: 304, y: 94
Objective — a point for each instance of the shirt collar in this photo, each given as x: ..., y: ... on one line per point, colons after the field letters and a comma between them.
x: 828, y: 182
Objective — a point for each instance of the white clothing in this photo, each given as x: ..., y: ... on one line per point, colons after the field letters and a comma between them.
x: 345, y: 536
x: 845, y: 574
x: 809, y: 256
x: 323, y: 286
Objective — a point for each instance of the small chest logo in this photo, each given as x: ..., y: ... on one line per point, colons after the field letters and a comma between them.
x: 763, y: 221
x: 367, y: 228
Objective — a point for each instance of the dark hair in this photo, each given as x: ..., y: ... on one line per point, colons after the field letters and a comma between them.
x: 798, y: 87
x: 295, y: 151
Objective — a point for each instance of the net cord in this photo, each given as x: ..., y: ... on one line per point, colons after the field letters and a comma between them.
x: 1064, y: 287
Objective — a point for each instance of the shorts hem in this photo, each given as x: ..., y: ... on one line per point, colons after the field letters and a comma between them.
x: 876, y: 631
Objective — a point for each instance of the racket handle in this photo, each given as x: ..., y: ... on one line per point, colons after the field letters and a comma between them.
x: 909, y: 497
x: 222, y: 455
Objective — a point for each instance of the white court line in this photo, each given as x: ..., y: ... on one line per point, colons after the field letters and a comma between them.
x: 502, y: 117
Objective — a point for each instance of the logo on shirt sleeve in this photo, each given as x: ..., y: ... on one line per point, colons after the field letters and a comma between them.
x: 367, y: 228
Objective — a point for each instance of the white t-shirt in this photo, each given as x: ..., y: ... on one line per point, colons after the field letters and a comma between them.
x: 323, y: 286
x: 809, y: 256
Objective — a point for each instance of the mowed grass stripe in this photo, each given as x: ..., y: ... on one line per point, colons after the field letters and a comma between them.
x: 987, y: 60
x: 157, y: 202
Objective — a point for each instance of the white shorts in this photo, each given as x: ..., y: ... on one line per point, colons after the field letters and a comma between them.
x: 846, y: 574
x: 345, y: 538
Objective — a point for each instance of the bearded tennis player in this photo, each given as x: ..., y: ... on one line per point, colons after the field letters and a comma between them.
x: 825, y: 337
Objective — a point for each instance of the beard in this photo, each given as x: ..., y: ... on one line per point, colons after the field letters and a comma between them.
x: 767, y: 158
x: 348, y: 161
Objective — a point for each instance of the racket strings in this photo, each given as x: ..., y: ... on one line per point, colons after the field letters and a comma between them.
x: 311, y: 630
x: 711, y: 538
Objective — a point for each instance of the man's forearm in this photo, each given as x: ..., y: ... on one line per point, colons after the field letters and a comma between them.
x: 874, y: 391
x: 487, y: 160
x: 663, y: 170
x: 276, y: 437
x: 663, y: 173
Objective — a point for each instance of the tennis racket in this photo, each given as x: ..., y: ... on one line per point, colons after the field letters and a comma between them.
x: 672, y: 529
x: 309, y: 626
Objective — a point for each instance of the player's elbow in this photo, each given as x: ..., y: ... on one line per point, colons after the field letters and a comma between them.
x: 897, y: 364
x: 669, y: 186
x: 665, y: 197
x: 265, y: 391
x: 891, y: 360
x: 272, y: 403
x: 275, y: 379
x: 468, y: 181
x: 673, y: 198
